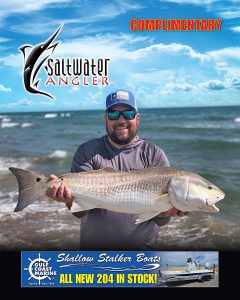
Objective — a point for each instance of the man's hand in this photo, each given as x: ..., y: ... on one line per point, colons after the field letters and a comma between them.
x: 172, y: 212
x: 59, y: 192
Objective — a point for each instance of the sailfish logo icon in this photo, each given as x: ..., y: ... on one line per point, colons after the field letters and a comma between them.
x: 31, y: 67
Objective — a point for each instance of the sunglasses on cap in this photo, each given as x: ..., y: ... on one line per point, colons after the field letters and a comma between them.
x: 115, y: 114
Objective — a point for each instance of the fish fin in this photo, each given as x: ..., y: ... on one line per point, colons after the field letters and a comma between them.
x: 77, y: 211
x: 75, y: 208
x: 105, y: 170
x: 145, y: 217
x: 165, y: 202
x: 165, y: 206
x: 29, y: 184
x: 82, y: 204
x: 164, y: 197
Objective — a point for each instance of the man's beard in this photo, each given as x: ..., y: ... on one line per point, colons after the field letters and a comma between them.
x: 120, y: 140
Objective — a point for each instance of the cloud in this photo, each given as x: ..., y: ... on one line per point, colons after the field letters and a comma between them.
x: 86, y: 99
x: 107, y: 45
x: 236, y: 83
x: 219, y: 85
x: 160, y: 74
x: 24, y: 6
x: 96, y: 13
x: 230, y: 9
x: 151, y: 76
x: 227, y: 61
x: 85, y: 15
x: 3, y: 39
x: 12, y: 60
x: 236, y: 29
x: 180, y: 258
x: 158, y: 63
x: 174, y: 48
x: 47, y: 26
x: 119, y: 47
x: 3, y: 48
x: 26, y: 102
x: 230, y: 14
x: 213, y: 85
x: 179, y: 87
x: 4, y: 89
x: 195, y: 2
x: 73, y: 89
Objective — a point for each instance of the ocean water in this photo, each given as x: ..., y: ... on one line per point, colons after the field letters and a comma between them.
x: 203, y: 140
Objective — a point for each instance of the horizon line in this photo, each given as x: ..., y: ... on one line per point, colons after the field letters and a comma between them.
x: 93, y: 109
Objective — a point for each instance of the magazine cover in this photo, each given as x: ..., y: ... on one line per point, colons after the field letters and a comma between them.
x: 120, y: 142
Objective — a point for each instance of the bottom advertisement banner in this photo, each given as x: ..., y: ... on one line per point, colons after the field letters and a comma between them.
x: 117, y: 268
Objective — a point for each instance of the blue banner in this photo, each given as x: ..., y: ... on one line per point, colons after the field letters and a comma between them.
x: 90, y: 269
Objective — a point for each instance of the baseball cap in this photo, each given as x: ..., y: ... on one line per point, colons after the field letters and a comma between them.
x: 121, y: 96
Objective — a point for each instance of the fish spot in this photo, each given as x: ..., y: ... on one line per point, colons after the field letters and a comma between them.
x: 209, y: 187
x: 38, y: 179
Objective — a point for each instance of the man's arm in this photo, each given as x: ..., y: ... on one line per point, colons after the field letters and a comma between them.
x: 59, y: 191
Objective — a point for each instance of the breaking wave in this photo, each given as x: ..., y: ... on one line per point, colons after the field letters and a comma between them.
x: 237, y: 119
x: 58, y: 154
x: 9, y: 124
x: 24, y: 125
x: 7, y: 162
x: 48, y: 116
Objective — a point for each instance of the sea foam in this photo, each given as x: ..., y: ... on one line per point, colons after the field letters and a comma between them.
x: 67, y: 115
x: 48, y: 116
x: 6, y: 119
x: 7, y: 162
x: 24, y: 125
x: 58, y: 154
x: 9, y: 125
x: 237, y: 119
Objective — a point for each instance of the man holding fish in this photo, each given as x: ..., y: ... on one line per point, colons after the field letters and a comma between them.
x: 121, y: 149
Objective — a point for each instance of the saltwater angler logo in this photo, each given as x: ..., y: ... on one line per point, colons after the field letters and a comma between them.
x: 40, y: 271
x: 60, y: 71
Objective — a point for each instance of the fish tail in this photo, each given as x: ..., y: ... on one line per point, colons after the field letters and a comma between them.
x: 29, y: 184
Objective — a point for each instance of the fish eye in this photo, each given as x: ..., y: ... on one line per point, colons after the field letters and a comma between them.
x: 209, y: 187
x: 38, y: 179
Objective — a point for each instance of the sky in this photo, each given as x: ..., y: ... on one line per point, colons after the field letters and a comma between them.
x: 180, y: 258
x: 161, y: 68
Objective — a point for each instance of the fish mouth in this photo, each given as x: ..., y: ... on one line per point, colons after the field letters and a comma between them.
x: 213, y: 208
x: 222, y: 196
x: 212, y: 201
